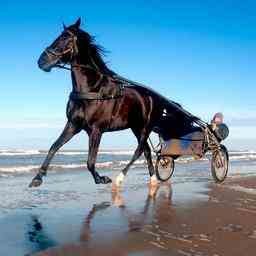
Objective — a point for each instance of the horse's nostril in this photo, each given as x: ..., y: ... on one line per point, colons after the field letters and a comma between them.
x: 43, y: 62
x: 39, y: 63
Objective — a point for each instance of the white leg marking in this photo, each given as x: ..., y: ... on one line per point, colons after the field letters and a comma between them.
x: 153, y: 180
x: 119, y: 179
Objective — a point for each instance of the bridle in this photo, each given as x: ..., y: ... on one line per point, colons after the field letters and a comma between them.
x: 73, y: 49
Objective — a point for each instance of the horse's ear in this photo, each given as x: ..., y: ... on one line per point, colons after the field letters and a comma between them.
x: 64, y: 26
x: 78, y: 23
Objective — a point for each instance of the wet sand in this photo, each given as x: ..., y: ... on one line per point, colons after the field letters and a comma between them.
x: 70, y: 215
x: 221, y: 223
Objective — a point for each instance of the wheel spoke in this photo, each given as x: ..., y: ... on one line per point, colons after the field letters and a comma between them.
x: 220, y: 164
x: 164, y: 167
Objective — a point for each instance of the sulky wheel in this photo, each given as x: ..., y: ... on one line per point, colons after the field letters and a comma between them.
x: 219, y: 165
x: 164, y: 167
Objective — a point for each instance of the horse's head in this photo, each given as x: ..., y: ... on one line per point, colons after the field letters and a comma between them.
x: 62, y: 50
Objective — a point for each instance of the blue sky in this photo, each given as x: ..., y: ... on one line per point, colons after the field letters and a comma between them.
x: 199, y: 53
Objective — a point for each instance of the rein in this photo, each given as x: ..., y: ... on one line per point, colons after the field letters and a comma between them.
x: 104, y: 93
x: 77, y: 66
x: 73, y: 49
x: 94, y: 95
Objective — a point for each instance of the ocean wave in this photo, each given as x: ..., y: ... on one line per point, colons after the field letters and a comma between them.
x: 20, y: 152
x: 111, y: 162
x: 69, y: 153
x: 36, y: 152
x: 121, y: 153
x: 30, y: 168
x: 243, y: 157
x: 99, y: 165
x: 242, y: 152
x: 125, y: 162
x: 114, y: 153
x: 239, y: 188
x: 6, y: 152
x: 18, y: 169
x: 190, y: 159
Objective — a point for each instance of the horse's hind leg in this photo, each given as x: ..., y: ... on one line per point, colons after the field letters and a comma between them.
x: 142, y: 140
x: 148, y: 156
x: 69, y: 131
x: 94, y: 142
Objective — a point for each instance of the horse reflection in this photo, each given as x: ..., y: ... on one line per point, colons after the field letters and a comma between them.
x: 157, y: 196
x: 86, y: 230
x: 39, y: 239
x: 119, y: 242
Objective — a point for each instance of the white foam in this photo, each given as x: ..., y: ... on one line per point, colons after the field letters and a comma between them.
x: 6, y: 152
x: 243, y: 157
x: 104, y: 164
x: 79, y: 166
x: 242, y: 152
x: 114, y: 153
x: 122, y: 153
x: 16, y: 169
x: 18, y: 152
x: 239, y: 188
x: 71, y: 153
x: 125, y: 162
x: 29, y: 168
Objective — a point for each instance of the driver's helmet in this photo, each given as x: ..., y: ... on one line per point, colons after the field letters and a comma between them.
x: 218, y: 118
x: 220, y: 129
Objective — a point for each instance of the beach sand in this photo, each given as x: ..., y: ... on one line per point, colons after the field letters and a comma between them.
x: 70, y: 215
x: 221, y: 223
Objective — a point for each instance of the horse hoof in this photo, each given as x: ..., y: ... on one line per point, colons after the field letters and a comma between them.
x: 105, y: 180
x: 35, y: 183
x: 119, y: 180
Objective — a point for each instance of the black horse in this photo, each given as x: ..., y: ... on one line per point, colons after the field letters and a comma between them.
x: 102, y: 102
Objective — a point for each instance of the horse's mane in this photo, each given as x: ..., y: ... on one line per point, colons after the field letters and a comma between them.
x: 89, y: 49
x: 93, y: 51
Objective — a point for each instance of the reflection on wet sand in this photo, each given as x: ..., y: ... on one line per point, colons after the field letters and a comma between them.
x: 86, y: 229
x: 135, y: 236
x: 137, y: 220
x: 36, y: 235
x: 164, y: 220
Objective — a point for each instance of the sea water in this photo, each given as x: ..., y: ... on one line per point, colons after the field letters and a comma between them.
x: 60, y: 210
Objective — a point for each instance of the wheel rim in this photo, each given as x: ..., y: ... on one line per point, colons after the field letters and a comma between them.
x: 165, y: 167
x: 220, y: 165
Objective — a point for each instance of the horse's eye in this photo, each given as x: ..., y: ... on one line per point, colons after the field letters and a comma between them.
x: 65, y: 36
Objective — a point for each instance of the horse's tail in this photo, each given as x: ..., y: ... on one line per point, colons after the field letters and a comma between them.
x: 169, y: 107
x: 174, y: 108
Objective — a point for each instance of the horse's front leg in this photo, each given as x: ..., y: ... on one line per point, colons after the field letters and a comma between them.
x: 69, y: 131
x: 94, y: 142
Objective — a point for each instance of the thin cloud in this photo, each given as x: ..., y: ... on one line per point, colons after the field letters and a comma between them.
x: 243, y: 121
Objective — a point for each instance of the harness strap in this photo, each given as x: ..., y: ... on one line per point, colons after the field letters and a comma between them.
x: 99, y: 81
x: 97, y: 95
